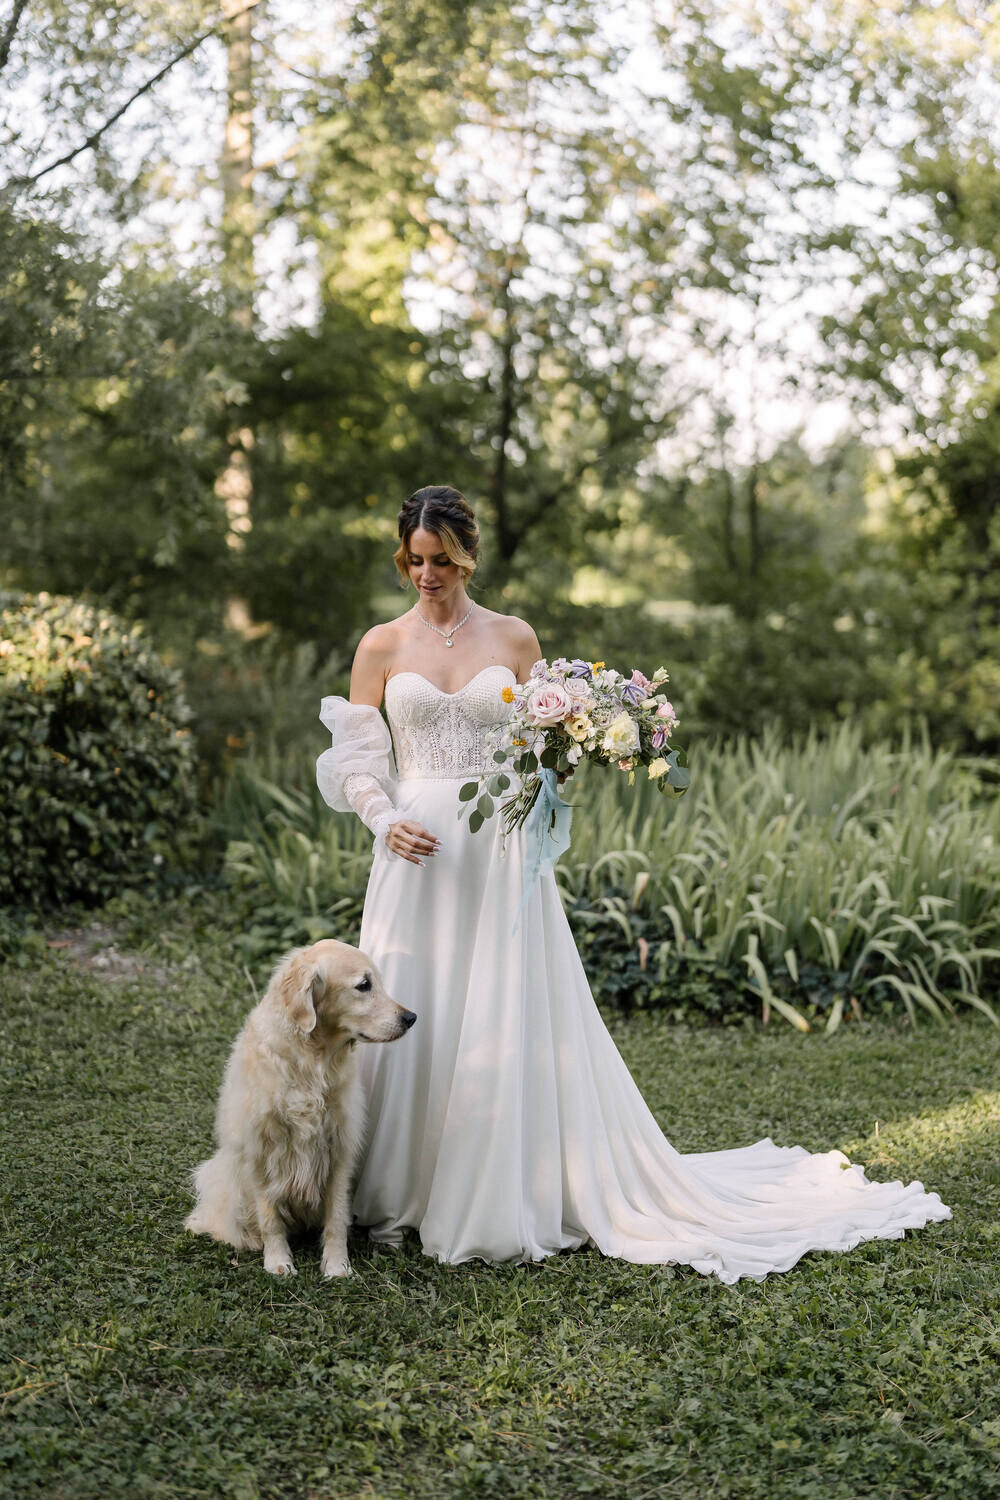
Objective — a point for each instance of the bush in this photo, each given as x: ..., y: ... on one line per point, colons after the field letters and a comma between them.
x: 95, y: 758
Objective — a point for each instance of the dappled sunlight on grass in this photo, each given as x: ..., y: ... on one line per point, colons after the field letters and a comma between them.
x: 139, y: 1360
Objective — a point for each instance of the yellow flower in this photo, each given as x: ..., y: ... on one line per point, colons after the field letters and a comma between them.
x: 520, y: 742
x: 621, y: 736
x: 657, y: 768
x: 508, y: 695
x: 595, y: 666
x: 578, y: 726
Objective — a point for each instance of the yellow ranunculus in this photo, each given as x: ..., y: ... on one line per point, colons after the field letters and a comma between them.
x: 579, y: 726
x: 657, y: 768
x: 621, y: 737
x: 508, y: 695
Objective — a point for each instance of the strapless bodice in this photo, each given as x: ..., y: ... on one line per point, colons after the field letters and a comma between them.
x: 439, y: 735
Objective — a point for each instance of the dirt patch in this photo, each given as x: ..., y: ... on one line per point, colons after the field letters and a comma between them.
x: 95, y: 949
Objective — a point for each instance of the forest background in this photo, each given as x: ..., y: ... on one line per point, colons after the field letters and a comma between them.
x: 698, y: 303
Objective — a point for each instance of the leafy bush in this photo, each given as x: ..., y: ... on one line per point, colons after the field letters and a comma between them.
x: 95, y: 758
x: 819, y: 876
x: 297, y: 872
x: 817, y: 881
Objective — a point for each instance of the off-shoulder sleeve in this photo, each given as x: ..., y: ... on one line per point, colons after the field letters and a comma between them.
x: 362, y: 746
x: 358, y: 773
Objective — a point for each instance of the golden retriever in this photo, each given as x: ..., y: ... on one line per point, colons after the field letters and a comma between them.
x: 288, y: 1123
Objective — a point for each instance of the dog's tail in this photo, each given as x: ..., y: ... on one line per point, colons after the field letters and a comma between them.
x: 221, y: 1210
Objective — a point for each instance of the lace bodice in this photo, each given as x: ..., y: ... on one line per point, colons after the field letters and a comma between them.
x: 439, y: 735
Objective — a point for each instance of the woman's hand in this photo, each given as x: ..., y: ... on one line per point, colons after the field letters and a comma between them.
x: 410, y: 840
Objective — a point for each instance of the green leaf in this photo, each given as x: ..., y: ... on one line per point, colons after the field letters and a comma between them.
x: 476, y: 821
x: 499, y: 756
x: 485, y: 806
x: 550, y: 757
x: 468, y: 791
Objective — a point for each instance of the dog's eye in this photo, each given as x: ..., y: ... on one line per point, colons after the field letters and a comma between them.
x: 364, y: 984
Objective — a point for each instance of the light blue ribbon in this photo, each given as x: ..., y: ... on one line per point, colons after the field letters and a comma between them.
x: 546, y: 832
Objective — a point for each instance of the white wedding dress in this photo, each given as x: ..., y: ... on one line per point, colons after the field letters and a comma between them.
x: 505, y: 1125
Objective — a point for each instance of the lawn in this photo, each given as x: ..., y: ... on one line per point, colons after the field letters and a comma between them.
x: 141, y: 1361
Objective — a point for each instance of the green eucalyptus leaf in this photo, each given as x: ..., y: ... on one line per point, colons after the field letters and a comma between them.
x: 468, y: 791
x: 476, y: 821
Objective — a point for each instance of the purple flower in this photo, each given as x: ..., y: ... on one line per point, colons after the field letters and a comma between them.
x: 539, y: 669
x: 560, y: 664
x: 578, y: 668
x: 631, y: 692
x: 659, y: 738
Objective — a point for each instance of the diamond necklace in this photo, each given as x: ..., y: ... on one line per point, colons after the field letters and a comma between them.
x: 446, y: 635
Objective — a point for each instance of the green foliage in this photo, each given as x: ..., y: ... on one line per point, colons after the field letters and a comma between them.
x: 258, y: 698
x: 822, y: 874
x: 817, y: 881
x: 941, y: 609
x: 95, y: 755
x: 296, y: 872
x: 140, y: 1360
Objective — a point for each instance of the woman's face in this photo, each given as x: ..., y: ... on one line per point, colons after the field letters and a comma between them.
x: 431, y: 569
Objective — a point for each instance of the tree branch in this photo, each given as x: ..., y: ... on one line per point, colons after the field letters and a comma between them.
x: 150, y: 83
x: 8, y: 36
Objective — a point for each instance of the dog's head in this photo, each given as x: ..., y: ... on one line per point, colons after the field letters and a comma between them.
x: 333, y: 990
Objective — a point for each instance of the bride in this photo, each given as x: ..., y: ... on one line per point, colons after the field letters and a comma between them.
x: 506, y: 1126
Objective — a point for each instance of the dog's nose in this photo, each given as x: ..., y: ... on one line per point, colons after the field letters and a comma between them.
x: 408, y: 1017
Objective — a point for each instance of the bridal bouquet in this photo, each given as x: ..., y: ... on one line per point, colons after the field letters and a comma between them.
x: 568, y: 710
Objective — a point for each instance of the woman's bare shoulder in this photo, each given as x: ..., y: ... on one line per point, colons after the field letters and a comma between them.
x: 514, y: 629
x: 382, y: 640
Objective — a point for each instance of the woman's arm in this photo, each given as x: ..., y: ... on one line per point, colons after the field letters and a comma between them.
x: 369, y: 675
x: 371, y: 669
x: 526, y: 648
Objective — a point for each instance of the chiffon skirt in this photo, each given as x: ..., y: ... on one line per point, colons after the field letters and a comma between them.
x: 506, y: 1126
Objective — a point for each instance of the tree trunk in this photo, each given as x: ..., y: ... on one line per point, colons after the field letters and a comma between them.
x: 235, y: 484
x: 506, y: 539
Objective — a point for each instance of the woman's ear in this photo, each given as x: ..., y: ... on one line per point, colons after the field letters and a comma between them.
x: 298, y: 988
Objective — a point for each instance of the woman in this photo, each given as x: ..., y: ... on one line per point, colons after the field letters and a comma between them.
x: 506, y: 1125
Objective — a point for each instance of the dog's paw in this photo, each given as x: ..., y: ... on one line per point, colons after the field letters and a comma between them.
x: 279, y: 1265
x: 335, y: 1264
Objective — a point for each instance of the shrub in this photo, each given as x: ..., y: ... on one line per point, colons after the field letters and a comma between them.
x: 95, y: 758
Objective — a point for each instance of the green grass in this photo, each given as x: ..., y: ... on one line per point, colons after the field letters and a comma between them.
x: 140, y: 1361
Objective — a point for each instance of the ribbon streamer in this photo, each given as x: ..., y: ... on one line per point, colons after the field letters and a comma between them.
x: 546, y: 831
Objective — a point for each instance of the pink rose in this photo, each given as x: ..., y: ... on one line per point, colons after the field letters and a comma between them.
x: 578, y: 690
x: 642, y: 681
x: 665, y: 711
x: 549, y: 703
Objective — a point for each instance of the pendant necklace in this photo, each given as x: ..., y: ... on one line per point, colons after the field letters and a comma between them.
x: 446, y: 635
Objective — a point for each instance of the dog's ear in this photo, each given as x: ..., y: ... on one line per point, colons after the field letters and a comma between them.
x: 300, y: 987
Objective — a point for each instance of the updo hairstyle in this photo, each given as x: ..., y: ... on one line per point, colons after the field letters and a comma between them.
x: 444, y: 511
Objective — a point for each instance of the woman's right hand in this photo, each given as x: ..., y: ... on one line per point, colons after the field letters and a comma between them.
x: 410, y: 841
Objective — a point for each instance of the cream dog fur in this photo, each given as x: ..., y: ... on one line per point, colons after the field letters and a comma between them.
x: 288, y: 1123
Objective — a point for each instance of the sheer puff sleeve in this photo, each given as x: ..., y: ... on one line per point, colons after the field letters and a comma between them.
x: 358, y: 774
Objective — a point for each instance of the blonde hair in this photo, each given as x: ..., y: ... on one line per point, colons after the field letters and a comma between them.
x: 447, y: 514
